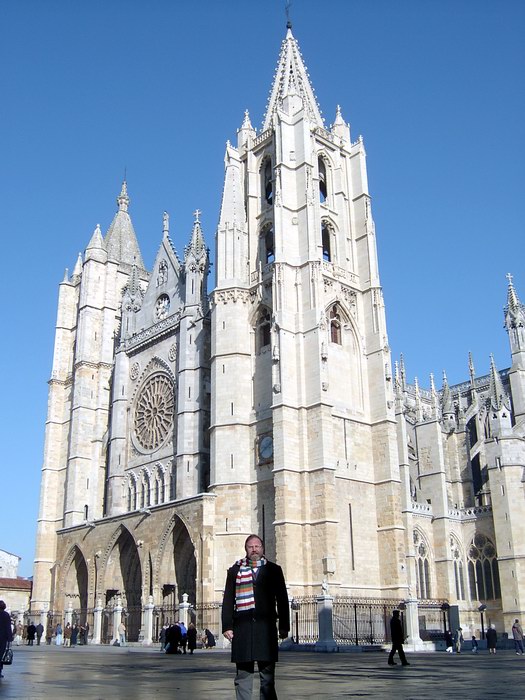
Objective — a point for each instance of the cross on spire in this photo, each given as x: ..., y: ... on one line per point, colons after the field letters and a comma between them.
x: 197, y: 214
x: 509, y: 277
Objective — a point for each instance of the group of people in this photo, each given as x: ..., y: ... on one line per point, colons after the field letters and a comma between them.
x: 69, y: 636
x: 176, y: 638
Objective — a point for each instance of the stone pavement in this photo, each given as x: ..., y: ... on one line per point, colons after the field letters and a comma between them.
x: 110, y: 673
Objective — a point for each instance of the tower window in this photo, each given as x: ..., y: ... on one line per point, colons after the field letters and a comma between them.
x: 268, y: 244
x: 268, y: 181
x: 323, y: 187
x: 335, y: 326
x: 264, y: 329
x: 326, y: 242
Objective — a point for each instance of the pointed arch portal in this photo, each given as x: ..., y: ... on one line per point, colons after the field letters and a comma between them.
x: 76, y: 584
x: 178, y: 566
x: 123, y: 580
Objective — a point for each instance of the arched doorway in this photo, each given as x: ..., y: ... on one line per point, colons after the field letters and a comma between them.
x: 177, y: 571
x: 123, y: 580
x: 76, y: 586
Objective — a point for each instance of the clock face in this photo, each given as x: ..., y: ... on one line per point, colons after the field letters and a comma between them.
x: 162, y: 307
x: 266, y: 447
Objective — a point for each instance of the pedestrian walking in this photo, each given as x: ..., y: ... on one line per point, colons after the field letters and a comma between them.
x: 6, y: 633
x: 192, y: 637
x: 517, y: 634
x: 39, y: 633
x: 458, y: 640
x: 67, y: 635
x: 474, y: 645
x: 58, y: 634
x: 184, y: 636
x: 398, y: 637
x: 255, y: 603
x: 19, y: 633
x: 492, y: 638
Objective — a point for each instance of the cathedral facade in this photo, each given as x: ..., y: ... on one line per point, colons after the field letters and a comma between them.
x: 181, y: 420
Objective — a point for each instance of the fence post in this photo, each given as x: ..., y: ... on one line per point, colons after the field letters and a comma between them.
x: 97, y: 623
x: 117, y: 619
x: 326, y: 641
x: 148, y: 622
x: 355, y: 622
x: 412, y: 624
x: 184, y: 608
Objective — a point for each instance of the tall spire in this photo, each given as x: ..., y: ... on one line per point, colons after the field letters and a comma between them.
x: 515, y: 310
x: 121, y: 241
x: 291, y: 80
x: 498, y: 395
x: 196, y: 244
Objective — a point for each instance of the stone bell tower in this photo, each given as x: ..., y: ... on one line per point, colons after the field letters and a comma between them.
x: 303, y: 428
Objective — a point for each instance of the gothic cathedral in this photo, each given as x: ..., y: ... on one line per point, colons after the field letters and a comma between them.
x: 179, y: 421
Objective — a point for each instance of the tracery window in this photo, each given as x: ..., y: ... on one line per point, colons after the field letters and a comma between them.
x: 154, y: 412
x: 483, y: 572
x: 422, y: 566
x: 459, y: 576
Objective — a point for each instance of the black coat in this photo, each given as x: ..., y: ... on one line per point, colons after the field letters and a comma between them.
x: 255, y: 631
x: 396, y: 630
x: 492, y: 638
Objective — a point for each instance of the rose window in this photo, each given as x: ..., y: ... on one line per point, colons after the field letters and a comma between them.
x: 154, y: 412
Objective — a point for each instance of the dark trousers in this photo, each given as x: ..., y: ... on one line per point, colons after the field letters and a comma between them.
x: 244, y: 680
x: 397, y: 646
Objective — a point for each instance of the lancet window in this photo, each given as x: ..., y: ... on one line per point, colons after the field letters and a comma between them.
x: 483, y: 572
x: 264, y: 335
x: 424, y: 590
x: 459, y: 575
x: 267, y: 183
x: 323, y: 183
x: 326, y: 240
x: 268, y: 244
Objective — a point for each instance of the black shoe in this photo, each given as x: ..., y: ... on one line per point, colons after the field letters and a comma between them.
x: 405, y: 663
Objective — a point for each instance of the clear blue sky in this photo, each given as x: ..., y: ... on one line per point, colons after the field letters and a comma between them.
x: 91, y: 88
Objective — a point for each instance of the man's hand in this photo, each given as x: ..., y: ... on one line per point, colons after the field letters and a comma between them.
x: 228, y: 634
x: 283, y: 634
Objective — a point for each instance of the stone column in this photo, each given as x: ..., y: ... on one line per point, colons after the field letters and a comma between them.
x: 413, y: 639
x: 97, y: 623
x: 117, y: 619
x: 184, y: 610
x: 148, y: 623
x: 326, y: 641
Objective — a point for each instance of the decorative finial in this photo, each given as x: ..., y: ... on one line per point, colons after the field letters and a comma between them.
x: 123, y: 199
x: 166, y: 223
x: 509, y: 277
x: 197, y: 214
x: 287, y: 6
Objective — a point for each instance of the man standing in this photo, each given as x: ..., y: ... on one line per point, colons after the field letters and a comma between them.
x: 255, y: 597
x: 396, y: 632
x: 517, y: 634
x: 39, y: 632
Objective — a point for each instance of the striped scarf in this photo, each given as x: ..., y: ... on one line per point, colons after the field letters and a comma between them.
x: 244, y: 596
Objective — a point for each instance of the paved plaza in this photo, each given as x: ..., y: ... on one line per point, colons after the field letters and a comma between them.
x: 136, y: 674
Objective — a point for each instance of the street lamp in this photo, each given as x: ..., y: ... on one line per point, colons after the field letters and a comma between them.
x: 295, y: 607
x: 445, y: 608
x: 481, y: 609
